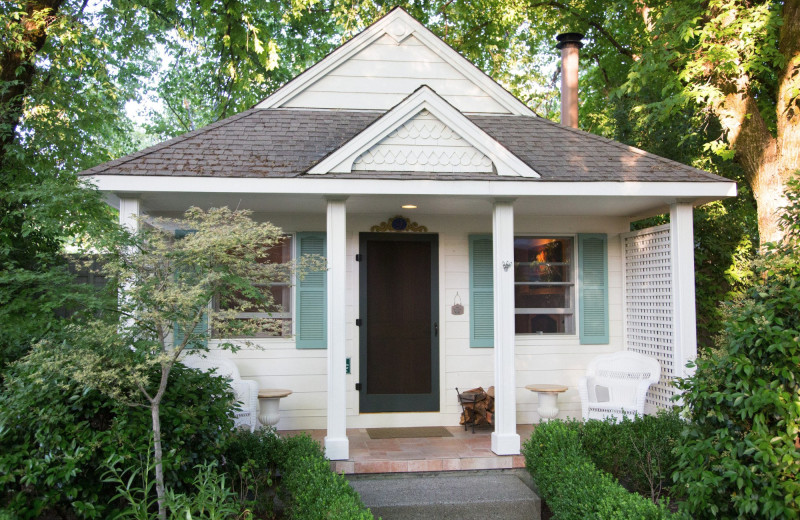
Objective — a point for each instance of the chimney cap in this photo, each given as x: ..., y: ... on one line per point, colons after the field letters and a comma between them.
x: 568, y: 39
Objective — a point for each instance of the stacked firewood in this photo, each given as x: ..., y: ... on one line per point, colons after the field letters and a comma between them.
x: 477, y: 406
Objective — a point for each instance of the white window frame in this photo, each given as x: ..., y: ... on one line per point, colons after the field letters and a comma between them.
x: 569, y: 311
x: 288, y: 328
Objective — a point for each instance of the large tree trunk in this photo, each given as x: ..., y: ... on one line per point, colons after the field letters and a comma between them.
x: 768, y: 161
x: 17, y: 68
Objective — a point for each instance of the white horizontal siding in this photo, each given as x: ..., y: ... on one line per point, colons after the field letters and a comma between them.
x: 539, y: 359
x: 384, y: 73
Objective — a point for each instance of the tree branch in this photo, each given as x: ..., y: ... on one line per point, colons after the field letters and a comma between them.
x: 591, y: 23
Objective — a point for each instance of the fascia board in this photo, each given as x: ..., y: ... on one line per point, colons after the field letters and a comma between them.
x: 328, y: 186
x: 341, y: 161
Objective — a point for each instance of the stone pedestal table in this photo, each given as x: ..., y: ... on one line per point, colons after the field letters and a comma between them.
x: 548, y: 400
x: 269, y: 405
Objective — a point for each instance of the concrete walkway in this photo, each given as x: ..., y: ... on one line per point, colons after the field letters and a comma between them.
x: 459, y: 495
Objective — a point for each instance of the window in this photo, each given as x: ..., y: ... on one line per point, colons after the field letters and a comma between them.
x: 544, y: 285
x: 281, y: 292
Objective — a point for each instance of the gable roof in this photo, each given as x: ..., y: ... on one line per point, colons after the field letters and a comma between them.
x: 265, y: 143
x: 424, y: 98
x: 407, y: 54
x: 274, y: 140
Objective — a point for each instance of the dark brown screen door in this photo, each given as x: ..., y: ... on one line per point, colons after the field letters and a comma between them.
x: 399, y: 335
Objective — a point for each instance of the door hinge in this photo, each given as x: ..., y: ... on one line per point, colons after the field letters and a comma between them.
x: 358, y: 322
x: 358, y: 386
x: 358, y: 257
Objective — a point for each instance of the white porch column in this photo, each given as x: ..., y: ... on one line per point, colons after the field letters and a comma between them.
x: 337, y: 446
x: 683, y: 298
x: 129, y: 211
x: 505, y: 440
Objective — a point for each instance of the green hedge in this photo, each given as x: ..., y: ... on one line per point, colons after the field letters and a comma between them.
x: 307, y: 485
x: 638, y: 453
x: 56, y: 437
x: 571, y: 484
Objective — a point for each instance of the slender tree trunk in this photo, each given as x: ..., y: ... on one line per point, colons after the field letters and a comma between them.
x: 158, y: 457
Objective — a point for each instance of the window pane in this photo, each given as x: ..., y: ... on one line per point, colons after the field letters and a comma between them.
x: 279, y: 253
x: 542, y: 296
x: 535, y: 272
x: 543, y: 323
x: 540, y: 250
x: 279, y: 313
x: 282, y: 296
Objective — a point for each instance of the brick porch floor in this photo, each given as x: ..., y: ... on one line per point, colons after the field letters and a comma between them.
x: 462, y: 451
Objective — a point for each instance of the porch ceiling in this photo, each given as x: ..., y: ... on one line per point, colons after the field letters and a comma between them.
x: 158, y: 203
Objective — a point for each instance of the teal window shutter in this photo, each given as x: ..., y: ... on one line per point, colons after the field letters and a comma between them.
x: 201, y: 334
x: 201, y: 329
x: 593, y: 294
x: 481, y: 291
x: 311, y: 293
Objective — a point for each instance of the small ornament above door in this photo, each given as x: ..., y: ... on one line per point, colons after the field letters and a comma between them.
x: 399, y: 224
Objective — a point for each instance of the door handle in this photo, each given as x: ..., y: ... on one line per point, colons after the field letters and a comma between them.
x: 436, y: 329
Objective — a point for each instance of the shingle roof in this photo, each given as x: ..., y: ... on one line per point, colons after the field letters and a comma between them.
x: 287, y: 142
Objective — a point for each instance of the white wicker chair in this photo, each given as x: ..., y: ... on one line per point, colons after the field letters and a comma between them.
x: 616, y: 385
x: 246, y: 391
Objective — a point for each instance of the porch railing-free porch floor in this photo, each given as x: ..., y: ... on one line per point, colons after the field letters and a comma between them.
x: 463, y: 451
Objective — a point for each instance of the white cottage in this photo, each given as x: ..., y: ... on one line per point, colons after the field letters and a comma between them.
x: 469, y: 241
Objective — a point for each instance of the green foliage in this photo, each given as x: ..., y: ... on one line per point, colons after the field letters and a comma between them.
x: 312, y: 491
x: 250, y: 463
x: 208, y: 497
x: 739, y: 457
x: 571, y: 484
x: 638, y: 453
x: 39, y: 214
x: 56, y: 435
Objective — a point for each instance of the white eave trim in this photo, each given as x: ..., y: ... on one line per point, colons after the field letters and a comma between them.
x: 333, y: 186
x: 424, y: 98
x: 399, y: 25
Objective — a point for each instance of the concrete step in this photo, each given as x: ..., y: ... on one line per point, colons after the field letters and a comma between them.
x: 461, y: 495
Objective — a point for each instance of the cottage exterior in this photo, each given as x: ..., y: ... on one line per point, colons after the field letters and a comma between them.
x: 514, y: 265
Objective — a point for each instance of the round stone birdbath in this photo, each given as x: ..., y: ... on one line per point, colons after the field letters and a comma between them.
x: 548, y: 399
x: 269, y: 400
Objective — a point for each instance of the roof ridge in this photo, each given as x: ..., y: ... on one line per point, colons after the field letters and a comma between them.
x: 166, y: 144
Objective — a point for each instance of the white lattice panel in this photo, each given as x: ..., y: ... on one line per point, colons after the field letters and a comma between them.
x: 648, y: 305
x: 424, y: 144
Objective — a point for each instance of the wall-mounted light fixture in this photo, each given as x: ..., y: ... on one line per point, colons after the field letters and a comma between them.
x: 408, y: 206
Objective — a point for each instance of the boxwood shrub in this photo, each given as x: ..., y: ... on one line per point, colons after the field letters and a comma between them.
x: 639, y: 453
x: 572, y: 485
x: 309, y: 488
x: 56, y: 437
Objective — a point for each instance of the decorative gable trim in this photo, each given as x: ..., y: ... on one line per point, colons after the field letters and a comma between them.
x: 423, y: 144
x: 424, y: 98
x: 398, y: 25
